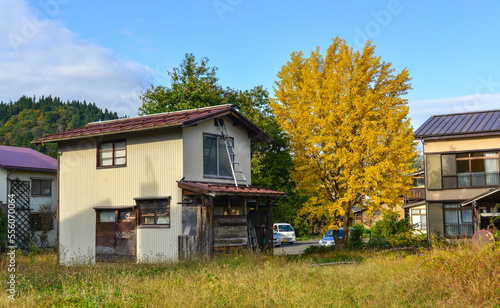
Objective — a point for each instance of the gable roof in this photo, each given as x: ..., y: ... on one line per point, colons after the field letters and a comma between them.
x: 16, y: 158
x: 184, y: 118
x: 458, y: 124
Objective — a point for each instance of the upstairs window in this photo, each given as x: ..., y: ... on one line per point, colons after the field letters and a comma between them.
x: 215, y: 158
x: 41, y: 188
x: 478, y: 169
x: 112, y: 153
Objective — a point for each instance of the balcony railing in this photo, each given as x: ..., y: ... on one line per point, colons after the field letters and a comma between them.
x: 468, y: 180
x: 416, y: 194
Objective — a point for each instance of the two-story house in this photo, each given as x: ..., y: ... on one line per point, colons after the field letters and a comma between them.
x: 461, y: 153
x: 30, y: 178
x: 157, y: 187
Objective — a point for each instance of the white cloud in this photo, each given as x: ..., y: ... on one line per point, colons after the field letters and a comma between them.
x: 40, y: 57
x: 421, y: 110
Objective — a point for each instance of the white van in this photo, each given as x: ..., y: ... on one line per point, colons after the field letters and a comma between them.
x: 286, y: 232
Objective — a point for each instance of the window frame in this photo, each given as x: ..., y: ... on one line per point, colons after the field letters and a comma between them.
x: 141, y: 225
x: 453, y: 181
x: 217, y: 176
x: 421, y: 212
x: 41, y: 194
x: 460, y: 223
x: 113, y: 157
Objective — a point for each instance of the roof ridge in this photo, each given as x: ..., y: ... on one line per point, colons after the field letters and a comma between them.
x: 159, y: 114
x: 468, y: 112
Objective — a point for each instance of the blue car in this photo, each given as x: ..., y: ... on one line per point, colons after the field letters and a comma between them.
x: 328, y: 239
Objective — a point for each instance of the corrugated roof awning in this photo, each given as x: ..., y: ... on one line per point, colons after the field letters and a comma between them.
x: 220, y: 189
x: 489, y: 196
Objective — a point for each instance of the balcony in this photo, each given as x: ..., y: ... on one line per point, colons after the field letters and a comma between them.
x: 417, y: 193
x: 471, y: 180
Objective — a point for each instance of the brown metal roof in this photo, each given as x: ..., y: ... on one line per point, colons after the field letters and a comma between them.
x: 183, y: 118
x: 458, y: 124
x: 219, y: 189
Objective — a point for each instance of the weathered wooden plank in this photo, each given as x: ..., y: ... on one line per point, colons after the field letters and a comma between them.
x: 230, y: 220
x: 229, y: 242
x: 230, y: 231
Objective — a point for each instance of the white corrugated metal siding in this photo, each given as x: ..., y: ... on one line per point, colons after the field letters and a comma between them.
x: 154, y: 164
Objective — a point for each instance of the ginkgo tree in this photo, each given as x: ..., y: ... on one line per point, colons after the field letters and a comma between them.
x: 350, y: 134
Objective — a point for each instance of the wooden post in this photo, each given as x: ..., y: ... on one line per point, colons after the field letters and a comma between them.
x: 477, y: 217
x: 269, y: 226
x: 244, y: 206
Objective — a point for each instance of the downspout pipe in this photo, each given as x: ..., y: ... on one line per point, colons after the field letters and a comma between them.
x: 58, y: 194
x: 8, y: 181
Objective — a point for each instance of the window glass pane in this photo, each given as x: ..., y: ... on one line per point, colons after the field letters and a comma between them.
x: 477, y: 165
x: 120, y: 161
x: 120, y: 145
x: 46, y: 187
x: 423, y: 211
x: 423, y: 222
x: 107, y: 162
x: 106, y: 147
x: 147, y: 204
x: 420, y: 182
x: 451, y: 205
x: 224, y: 166
x: 478, y: 154
x: 120, y: 153
x: 416, y: 221
x: 462, y: 155
x: 451, y: 216
x: 467, y: 216
x: 452, y: 230
x: 107, y: 154
x: 126, y: 215
x: 163, y: 220
x: 415, y: 211
x: 35, y: 187
x: 462, y: 166
x: 209, y: 156
x: 107, y: 216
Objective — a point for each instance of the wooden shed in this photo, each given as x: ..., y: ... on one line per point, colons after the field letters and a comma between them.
x: 224, y: 217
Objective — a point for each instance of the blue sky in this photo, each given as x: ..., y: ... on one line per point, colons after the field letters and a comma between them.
x: 107, y: 52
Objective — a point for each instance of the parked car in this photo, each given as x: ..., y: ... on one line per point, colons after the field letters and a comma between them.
x: 328, y: 239
x: 286, y: 232
x: 276, y: 238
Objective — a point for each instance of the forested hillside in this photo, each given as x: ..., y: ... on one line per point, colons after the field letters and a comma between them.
x: 29, y: 118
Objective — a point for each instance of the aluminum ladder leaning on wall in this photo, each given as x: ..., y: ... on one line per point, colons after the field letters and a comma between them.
x: 233, y: 159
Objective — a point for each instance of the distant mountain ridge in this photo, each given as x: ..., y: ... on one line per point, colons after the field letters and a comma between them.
x: 30, y: 118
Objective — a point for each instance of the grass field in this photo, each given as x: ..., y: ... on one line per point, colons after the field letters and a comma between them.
x: 440, y: 277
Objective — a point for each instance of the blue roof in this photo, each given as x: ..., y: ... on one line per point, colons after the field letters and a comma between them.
x: 460, y: 124
x: 16, y: 158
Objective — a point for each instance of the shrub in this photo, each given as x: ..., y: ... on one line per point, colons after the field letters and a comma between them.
x: 355, y: 235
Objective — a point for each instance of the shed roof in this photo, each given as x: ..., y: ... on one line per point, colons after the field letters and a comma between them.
x: 184, y: 118
x: 219, y: 189
x: 17, y: 158
x: 459, y: 124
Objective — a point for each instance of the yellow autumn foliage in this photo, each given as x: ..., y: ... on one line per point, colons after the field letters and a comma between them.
x: 349, y: 130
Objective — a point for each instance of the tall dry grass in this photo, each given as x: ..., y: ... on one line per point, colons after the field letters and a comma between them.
x: 440, y: 277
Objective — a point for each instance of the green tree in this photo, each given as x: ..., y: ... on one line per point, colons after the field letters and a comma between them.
x: 349, y: 133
